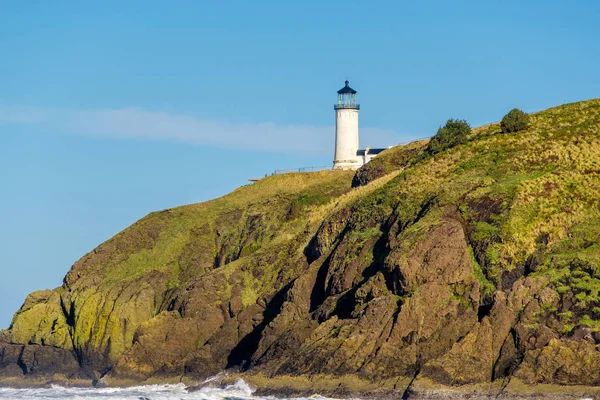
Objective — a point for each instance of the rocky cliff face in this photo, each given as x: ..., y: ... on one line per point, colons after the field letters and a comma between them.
x: 477, y: 265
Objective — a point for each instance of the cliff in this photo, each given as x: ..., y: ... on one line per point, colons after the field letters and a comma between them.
x: 478, y: 265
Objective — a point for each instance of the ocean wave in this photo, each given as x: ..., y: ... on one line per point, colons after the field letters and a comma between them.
x: 238, y: 391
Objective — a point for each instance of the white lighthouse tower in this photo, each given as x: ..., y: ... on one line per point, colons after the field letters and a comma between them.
x: 346, y: 130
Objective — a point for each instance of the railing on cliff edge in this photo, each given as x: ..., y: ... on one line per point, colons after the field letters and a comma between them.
x: 291, y: 171
x: 303, y: 169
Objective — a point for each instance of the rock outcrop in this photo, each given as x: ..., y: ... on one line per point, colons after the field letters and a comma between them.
x: 476, y: 266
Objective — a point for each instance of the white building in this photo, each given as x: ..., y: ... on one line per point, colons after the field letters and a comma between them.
x: 347, y: 152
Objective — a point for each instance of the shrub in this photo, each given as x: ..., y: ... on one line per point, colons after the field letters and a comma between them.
x: 516, y: 120
x: 453, y: 133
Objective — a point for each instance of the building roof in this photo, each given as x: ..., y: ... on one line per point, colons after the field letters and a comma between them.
x: 346, y: 89
x: 369, y: 151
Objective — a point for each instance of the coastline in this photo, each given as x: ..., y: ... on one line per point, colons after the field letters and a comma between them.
x: 340, y: 387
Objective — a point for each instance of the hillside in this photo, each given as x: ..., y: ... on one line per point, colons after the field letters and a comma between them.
x: 476, y: 266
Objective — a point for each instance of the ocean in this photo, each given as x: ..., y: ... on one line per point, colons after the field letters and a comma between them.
x: 239, y: 391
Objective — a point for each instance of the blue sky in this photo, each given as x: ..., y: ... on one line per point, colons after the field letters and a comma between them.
x: 112, y: 109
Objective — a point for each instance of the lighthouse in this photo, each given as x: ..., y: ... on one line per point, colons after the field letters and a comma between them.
x: 346, y: 130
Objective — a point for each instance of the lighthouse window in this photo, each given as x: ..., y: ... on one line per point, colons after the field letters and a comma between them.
x: 347, y: 99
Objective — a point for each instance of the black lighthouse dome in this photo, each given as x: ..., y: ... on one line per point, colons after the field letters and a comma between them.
x: 347, y: 89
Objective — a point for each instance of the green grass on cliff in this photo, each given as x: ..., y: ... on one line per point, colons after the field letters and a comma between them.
x: 544, y: 179
x: 530, y: 199
x: 288, y: 196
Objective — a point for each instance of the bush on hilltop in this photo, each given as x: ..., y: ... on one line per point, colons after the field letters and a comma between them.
x: 516, y: 120
x: 455, y: 132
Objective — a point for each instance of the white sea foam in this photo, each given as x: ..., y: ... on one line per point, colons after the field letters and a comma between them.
x: 238, y: 391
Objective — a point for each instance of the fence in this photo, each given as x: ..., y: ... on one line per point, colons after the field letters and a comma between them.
x: 303, y: 169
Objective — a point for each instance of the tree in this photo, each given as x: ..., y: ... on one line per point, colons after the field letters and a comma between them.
x: 516, y: 120
x: 455, y: 132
